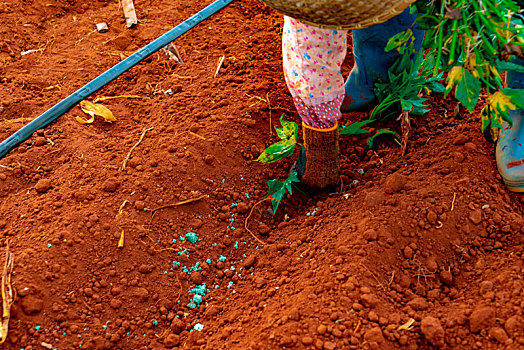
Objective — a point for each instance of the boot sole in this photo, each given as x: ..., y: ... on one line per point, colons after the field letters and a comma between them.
x: 514, y: 186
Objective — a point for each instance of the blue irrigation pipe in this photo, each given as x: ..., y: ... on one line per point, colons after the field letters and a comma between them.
x: 94, y: 85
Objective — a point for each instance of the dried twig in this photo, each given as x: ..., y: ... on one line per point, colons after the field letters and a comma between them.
x: 179, y: 203
x: 405, y: 125
x: 247, y: 219
x: 453, y: 201
x: 220, y: 62
x: 269, y: 106
x: 121, y: 209
x: 124, y: 163
x: 7, y: 293
x: 183, y: 77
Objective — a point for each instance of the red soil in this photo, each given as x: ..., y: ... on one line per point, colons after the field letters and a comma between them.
x: 432, y: 236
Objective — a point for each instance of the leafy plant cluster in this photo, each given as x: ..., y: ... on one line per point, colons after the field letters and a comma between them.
x: 474, y: 41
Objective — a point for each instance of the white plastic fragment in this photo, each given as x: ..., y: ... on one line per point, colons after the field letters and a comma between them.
x: 129, y: 13
x: 102, y: 27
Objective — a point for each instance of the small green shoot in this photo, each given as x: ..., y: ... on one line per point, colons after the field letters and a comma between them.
x: 371, y: 140
x: 278, y: 188
x: 355, y: 128
x: 283, y: 148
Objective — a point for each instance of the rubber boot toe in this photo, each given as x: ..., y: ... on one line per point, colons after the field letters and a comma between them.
x: 510, y: 153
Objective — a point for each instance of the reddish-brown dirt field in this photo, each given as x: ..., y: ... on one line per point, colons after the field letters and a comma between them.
x: 432, y: 236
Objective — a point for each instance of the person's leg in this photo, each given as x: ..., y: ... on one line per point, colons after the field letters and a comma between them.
x: 312, y: 58
x: 372, y: 62
x: 510, y: 146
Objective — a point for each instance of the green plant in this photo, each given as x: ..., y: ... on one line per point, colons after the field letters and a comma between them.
x: 278, y: 188
x: 279, y: 150
x: 283, y: 148
x: 474, y: 41
x: 401, y: 95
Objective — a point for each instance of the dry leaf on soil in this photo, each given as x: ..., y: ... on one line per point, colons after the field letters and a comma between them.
x: 95, y: 109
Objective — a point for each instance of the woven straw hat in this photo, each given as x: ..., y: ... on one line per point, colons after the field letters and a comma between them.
x: 340, y: 14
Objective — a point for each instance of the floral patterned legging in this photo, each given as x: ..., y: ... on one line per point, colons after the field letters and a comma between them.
x: 312, y: 58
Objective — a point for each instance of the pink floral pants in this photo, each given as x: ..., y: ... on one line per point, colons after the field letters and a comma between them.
x: 312, y: 58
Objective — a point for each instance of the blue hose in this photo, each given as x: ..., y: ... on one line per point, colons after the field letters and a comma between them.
x: 94, y: 85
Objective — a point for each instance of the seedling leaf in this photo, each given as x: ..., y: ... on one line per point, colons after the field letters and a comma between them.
x: 283, y: 148
x: 355, y: 128
x: 371, y: 140
x: 277, y: 189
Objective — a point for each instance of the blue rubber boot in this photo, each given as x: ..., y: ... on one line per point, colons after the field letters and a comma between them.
x: 510, y: 146
x: 372, y: 62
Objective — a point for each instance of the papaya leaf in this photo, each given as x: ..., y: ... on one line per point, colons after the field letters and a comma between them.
x: 288, y: 131
x: 371, y: 140
x: 276, y: 151
x: 277, y: 189
x: 355, y: 128
x: 436, y: 87
x: 283, y: 148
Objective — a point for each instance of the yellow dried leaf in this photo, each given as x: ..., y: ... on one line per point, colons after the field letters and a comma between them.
x: 85, y: 121
x: 97, y: 109
x: 501, y: 101
x: 407, y: 326
x: 454, y: 77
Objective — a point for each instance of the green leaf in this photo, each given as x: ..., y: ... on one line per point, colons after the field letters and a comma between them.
x: 288, y: 131
x: 406, y: 105
x: 516, y: 96
x: 503, y: 66
x: 277, y: 189
x: 355, y: 128
x: 399, y: 40
x: 468, y: 90
x: 499, y: 106
x: 485, y: 118
x: 276, y: 151
x: 435, y: 86
x: 371, y: 140
x: 283, y: 148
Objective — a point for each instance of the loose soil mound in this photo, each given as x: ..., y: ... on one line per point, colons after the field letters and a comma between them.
x: 420, y: 251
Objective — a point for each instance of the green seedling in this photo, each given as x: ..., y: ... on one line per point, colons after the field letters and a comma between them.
x: 371, y: 140
x: 283, y: 148
x: 355, y: 128
x: 277, y: 189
